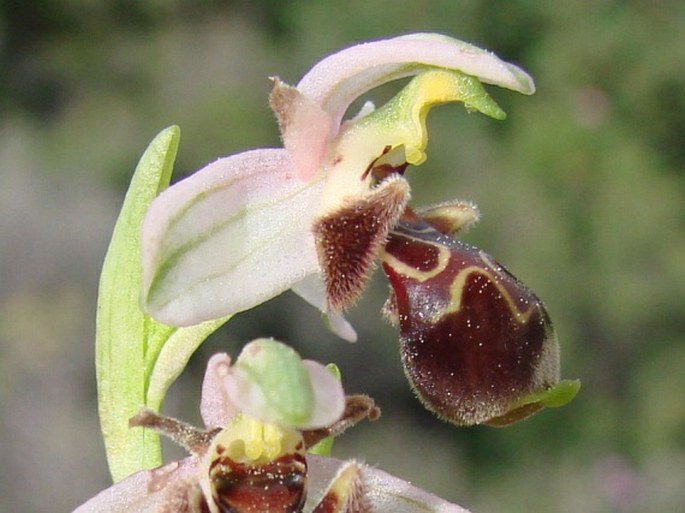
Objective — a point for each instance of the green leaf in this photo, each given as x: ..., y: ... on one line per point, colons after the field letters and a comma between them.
x: 133, y: 351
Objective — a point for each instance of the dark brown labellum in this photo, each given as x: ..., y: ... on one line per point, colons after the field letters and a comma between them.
x: 277, y: 487
x: 475, y: 341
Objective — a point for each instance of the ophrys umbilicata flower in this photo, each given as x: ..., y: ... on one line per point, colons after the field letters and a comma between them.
x: 315, y: 216
x: 256, y: 460
x: 312, y: 216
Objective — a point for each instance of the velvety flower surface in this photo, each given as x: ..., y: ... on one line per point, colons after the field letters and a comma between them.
x: 477, y: 344
x: 261, y: 414
x: 313, y: 215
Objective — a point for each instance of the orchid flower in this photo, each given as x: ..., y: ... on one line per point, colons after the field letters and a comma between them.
x: 261, y: 415
x: 313, y: 216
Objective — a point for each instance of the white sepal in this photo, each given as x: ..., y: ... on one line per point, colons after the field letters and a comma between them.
x: 228, y: 238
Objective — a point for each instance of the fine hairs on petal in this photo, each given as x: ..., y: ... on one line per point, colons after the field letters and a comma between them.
x: 189, y: 437
x: 349, y: 239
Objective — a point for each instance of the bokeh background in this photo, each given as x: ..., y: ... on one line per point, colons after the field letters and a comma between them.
x: 582, y: 191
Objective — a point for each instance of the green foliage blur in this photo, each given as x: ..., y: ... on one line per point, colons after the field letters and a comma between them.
x: 582, y: 191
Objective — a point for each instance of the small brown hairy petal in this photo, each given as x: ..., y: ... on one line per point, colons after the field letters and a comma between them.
x: 357, y: 408
x: 474, y: 339
x: 195, y: 440
x: 349, y: 239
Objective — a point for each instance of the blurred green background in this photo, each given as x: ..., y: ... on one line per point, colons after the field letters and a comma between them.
x: 582, y: 192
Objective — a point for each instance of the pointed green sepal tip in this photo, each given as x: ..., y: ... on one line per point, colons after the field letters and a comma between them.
x: 281, y: 379
x: 476, y: 98
x: 561, y: 394
x: 401, y: 122
x: 554, y: 397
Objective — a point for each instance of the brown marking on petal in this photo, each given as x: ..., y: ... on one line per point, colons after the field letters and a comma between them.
x: 474, y: 339
x: 357, y: 408
x: 346, y: 494
x: 277, y: 487
x: 349, y: 239
x: 281, y: 100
